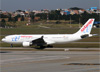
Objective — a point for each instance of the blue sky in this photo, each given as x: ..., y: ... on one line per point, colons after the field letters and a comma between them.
x: 12, y: 5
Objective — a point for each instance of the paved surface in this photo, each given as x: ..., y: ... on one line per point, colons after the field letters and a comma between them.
x: 50, y: 61
x: 48, y: 49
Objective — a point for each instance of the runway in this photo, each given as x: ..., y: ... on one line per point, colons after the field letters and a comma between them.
x: 50, y: 61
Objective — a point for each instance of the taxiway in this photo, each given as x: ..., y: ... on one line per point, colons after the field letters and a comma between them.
x: 50, y: 61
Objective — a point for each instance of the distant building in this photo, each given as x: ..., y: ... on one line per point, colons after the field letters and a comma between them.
x: 93, y: 8
x: 81, y: 11
x: 66, y: 12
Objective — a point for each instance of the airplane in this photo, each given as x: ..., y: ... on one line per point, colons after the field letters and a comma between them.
x: 43, y: 40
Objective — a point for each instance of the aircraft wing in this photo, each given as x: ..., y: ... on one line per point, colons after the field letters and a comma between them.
x: 41, y: 41
x: 49, y: 41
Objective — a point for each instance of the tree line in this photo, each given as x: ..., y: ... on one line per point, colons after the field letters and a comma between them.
x: 82, y: 18
x: 52, y: 15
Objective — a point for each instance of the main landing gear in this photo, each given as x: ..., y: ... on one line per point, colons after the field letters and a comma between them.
x: 11, y: 45
x: 43, y: 47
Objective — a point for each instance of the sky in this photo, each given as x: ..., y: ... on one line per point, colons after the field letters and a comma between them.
x: 12, y: 5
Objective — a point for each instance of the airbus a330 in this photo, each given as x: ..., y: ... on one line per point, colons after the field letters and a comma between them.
x: 43, y: 40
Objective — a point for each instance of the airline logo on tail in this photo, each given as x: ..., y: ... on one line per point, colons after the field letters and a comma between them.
x: 87, y: 28
x: 90, y: 22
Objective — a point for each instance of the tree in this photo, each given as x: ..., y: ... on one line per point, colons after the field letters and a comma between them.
x: 58, y: 14
x: 9, y: 19
x: 75, y: 8
x: 32, y: 16
x: 42, y: 16
x: 3, y: 23
x: 3, y: 16
x: 22, y: 18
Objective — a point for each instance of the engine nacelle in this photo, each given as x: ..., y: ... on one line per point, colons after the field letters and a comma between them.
x: 26, y: 44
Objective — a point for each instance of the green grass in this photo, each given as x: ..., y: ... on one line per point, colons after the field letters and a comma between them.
x: 40, y: 29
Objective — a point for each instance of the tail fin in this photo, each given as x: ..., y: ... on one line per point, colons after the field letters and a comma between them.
x: 86, y: 28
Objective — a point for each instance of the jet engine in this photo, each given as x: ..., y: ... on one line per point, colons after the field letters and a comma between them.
x: 26, y: 44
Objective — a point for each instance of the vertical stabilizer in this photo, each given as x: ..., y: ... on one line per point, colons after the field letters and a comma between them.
x: 87, y: 27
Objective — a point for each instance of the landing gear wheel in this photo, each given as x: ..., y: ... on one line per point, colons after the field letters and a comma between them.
x: 49, y: 46
x: 11, y: 45
x: 40, y: 47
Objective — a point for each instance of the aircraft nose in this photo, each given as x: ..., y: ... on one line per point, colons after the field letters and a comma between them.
x: 3, y: 39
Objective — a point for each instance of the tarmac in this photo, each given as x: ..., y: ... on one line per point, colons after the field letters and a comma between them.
x: 50, y: 61
x: 47, y: 49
